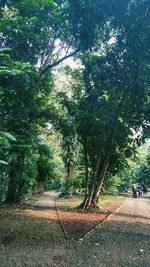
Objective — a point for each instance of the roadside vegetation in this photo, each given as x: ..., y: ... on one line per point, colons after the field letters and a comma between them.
x: 74, y: 98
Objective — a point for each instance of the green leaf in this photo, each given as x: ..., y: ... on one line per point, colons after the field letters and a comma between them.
x: 3, y: 162
x: 9, y: 136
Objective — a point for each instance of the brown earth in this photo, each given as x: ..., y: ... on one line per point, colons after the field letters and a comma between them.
x: 31, y: 236
x: 76, y: 223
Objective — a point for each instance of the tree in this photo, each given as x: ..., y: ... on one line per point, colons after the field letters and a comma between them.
x: 6, y: 140
x: 142, y: 174
x: 112, y: 42
x: 60, y: 115
x: 30, y: 31
x: 114, y: 96
x: 28, y: 36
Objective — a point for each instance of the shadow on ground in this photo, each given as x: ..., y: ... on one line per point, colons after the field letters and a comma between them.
x: 28, y: 239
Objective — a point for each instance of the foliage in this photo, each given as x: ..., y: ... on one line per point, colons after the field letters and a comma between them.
x: 142, y: 174
x: 48, y: 167
x: 100, y: 118
x: 6, y: 140
x: 23, y: 92
x: 113, y: 92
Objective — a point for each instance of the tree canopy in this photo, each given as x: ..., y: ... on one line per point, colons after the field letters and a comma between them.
x: 99, y: 119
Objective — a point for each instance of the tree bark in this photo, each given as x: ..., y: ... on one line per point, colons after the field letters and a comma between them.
x: 12, y: 188
x: 15, y: 183
x: 86, y: 167
x: 92, y: 198
x: 88, y: 196
x: 99, y: 183
x: 86, y: 175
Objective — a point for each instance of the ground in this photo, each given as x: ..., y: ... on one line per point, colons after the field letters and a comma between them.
x: 33, y: 236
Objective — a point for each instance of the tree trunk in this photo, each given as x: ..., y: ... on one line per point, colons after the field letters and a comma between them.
x: 67, y: 180
x: 93, y: 195
x: 86, y: 167
x: 99, y: 183
x: 83, y: 204
x: 15, y: 183
x: 12, y: 188
x: 92, y: 199
x: 20, y: 187
x: 88, y: 188
x: 88, y: 196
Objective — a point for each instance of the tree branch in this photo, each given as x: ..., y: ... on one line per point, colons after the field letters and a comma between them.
x: 50, y: 66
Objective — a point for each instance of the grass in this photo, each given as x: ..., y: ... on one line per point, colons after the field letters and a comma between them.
x: 106, y: 202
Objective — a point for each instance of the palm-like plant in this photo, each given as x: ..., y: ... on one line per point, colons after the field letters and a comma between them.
x: 5, y: 144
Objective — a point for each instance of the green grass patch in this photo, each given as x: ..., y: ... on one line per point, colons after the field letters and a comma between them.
x: 105, y: 202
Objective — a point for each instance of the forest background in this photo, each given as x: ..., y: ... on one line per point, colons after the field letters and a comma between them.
x: 74, y: 97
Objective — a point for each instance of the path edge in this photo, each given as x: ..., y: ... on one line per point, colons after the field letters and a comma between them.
x: 80, y: 240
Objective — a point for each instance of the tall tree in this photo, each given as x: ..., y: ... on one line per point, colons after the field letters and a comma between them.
x: 115, y: 94
x: 24, y: 92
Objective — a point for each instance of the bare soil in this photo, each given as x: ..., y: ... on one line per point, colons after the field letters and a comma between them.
x: 31, y: 236
x: 77, y: 223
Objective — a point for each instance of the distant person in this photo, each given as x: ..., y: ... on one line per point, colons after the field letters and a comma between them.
x: 145, y: 190
x: 134, y: 191
x: 139, y: 190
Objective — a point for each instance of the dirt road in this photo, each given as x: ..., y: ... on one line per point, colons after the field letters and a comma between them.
x: 123, y: 240
x: 33, y: 237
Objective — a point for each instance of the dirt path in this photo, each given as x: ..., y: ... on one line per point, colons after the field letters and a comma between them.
x: 123, y: 240
x: 33, y: 237
x: 46, y: 200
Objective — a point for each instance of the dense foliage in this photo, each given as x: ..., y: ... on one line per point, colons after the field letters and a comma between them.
x: 98, y: 120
